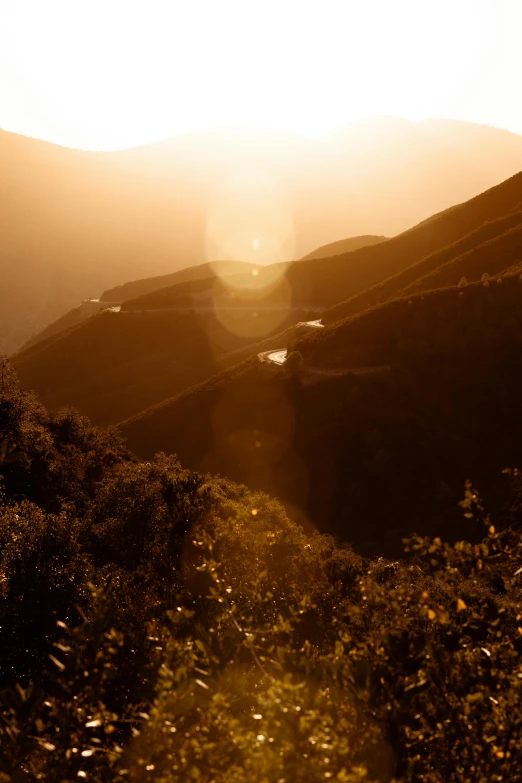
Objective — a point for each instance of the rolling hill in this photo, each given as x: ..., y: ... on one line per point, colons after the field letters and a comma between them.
x: 394, y: 409
x: 217, y: 269
x: 116, y: 364
x: 135, y: 288
x: 488, y: 250
x: 75, y: 223
x: 344, y: 246
x: 324, y: 282
x: 210, y: 324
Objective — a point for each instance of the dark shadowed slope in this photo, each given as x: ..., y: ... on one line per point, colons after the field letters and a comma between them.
x: 135, y: 288
x: 217, y: 270
x: 323, y: 282
x: 116, y: 364
x: 236, y: 317
x: 117, y: 361
x: 327, y: 281
x: 438, y: 403
x: 344, y: 246
x: 490, y: 249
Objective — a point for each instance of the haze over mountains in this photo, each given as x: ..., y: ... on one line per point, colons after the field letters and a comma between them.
x: 76, y: 223
x: 428, y: 383
x: 149, y: 360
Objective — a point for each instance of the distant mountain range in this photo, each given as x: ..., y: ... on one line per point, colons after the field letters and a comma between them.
x: 418, y: 368
x: 74, y: 224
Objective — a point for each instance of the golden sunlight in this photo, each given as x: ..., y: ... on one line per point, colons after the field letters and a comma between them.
x: 109, y: 75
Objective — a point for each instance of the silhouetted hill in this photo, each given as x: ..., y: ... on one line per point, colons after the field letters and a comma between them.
x: 344, y: 246
x: 221, y: 270
x: 113, y: 365
x: 324, y: 282
x: 393, y: 410
x: 245, y: 314
x: 490, y: 249
x: 259, y: 286
x: 97, y: 220
x: 135, y: 288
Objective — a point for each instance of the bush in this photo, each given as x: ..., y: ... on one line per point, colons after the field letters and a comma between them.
x: 163, y: 625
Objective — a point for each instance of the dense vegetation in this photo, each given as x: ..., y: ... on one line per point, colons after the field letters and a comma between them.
x: 157, y: 624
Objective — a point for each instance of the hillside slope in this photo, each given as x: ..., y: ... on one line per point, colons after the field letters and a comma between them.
x: 97, y: 220
x: 116, y: 364
x: 344, y: 246
x: 325, y: 282
x: 490, y: 249
x: 394, y: 410
x: 249, y: 312
x: 217, y: 270
x: 135, y: 288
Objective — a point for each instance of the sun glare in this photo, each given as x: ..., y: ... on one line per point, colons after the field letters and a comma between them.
x: 114, y: 74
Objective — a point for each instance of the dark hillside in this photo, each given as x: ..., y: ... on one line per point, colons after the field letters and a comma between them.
x: 137, y: 364
x: 147, y: 285
x: 155, y: 621
x: 114, y: 365
x: 406, y: 402
x: 117, y: 362
x: 257, y: 286
x: 497, y: 256
x: 490, y: 249
x: 344, y: 246
x: 324, y: 282
x: 66, y: 321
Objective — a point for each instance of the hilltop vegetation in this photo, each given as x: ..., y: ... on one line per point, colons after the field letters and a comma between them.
x: 159, y: 624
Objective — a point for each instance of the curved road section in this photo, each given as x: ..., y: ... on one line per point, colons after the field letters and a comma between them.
x: 276, y: 357
x: 279, y: 356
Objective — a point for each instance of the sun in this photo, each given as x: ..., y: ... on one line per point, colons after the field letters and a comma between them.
x: 107, y: 75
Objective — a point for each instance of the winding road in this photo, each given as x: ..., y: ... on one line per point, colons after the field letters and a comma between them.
x: 279, y: 355
x: 276, y: 357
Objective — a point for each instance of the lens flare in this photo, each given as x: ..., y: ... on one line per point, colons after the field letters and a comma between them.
x: 248, y: 220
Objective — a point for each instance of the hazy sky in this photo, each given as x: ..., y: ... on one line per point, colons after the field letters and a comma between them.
x: 106, y: 74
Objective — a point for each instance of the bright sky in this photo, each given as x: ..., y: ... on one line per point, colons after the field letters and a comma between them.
x: 107, y: 74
